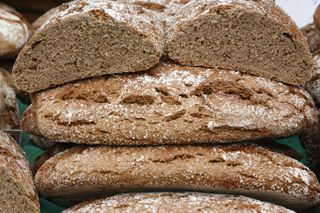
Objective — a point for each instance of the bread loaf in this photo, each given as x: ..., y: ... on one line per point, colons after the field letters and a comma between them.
x: 14, y: 31
x: 251, y: 36
x: 163, y: 9
x: 17, y: 191
x: 313, y: 86
x: 87, y: 172
x: 89, y: 38
x: 176, y: 202
x: 171, y: 104
x: 8, y: 106
x: 311, y: 141
x: 313, y: 38
x: 44, y: 18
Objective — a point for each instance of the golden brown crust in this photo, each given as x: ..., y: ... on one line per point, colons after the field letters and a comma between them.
x: 172, y: 104
x: 237, y: 169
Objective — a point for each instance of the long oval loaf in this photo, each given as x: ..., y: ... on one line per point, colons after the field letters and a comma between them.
x: 17, y: 191
x: 171, y: 104
x: 175, y: 203
x: 252, y: 36
x: 86, y: 172
x: 89, y: 38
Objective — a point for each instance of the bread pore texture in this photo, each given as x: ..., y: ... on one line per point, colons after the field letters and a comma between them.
x: 251, y: 36
x: 89, y: 38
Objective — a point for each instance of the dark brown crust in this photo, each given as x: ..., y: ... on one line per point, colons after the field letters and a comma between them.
x: 313, y: 38
x: 99, y: 170
x: 182, y: 98
x: 176, y: 202
x: 311, y: 141
x: 29, y: 121
x: 17, y: 160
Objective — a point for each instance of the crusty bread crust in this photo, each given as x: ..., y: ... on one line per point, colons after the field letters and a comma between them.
x: 176, y: 203
x: 87, y: 172
x: 14, y: 31
x: 171, y: 104
x: 311, y: 141
x: 15, y: 164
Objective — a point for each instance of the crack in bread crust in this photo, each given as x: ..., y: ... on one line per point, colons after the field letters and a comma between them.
x: 171, y: 104
x: 242, y: 168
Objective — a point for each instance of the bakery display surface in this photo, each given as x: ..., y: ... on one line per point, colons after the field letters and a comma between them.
x: 159, y: 106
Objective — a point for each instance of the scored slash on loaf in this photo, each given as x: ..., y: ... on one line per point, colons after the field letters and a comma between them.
x: 170, y: 104
x: 81, y: 172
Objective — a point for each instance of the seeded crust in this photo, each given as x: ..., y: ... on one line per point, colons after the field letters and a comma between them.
x: 172, y: 104
x: 8, y: 107
x: 14, y: 31
x: 17, y: 191
x: 86, y: 39
x: 253, y: 36
x: 87, y: 172
x: 176, y: 202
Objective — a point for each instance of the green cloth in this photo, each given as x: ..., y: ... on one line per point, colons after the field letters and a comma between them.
x: 33, y: 152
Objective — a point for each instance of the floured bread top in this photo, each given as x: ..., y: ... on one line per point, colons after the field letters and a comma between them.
x: 177, y: 202
x: 14, y: 32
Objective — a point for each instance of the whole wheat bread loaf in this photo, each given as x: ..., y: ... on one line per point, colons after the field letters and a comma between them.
x: 313, y: 86
x: 171, y: 104
x: 251, y: 36
x: 14, y: 31
x: 311, y: 141
x: 175, y: 203
x: 8, y: 106
x: 313, y: 38
x: 87, y: 172
x: 17, y: 191
x: 89, y: 38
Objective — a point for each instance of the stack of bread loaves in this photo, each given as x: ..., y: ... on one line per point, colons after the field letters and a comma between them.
x: 170, y: 98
